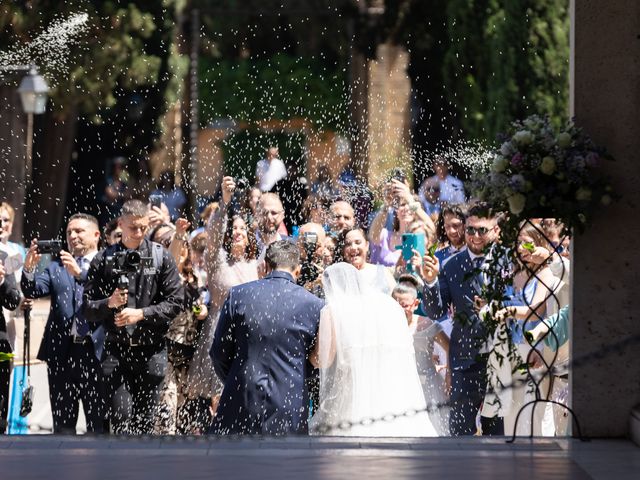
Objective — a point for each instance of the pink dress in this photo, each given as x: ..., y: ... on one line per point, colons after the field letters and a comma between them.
x: 222, y: 275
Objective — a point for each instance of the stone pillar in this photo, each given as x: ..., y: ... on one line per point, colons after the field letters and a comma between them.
x: 605, y: 99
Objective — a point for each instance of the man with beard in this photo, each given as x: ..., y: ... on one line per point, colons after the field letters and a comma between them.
x: 70, y: 347
x: 270, y: 213
x: 455, y: 284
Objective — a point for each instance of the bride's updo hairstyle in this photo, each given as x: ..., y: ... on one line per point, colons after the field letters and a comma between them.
x: 341, y: 279
x: 342, y: 243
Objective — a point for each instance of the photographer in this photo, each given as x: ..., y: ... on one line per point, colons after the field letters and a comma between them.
x: 311, y: 238
x: 134, y: 290
x: 69, y: 346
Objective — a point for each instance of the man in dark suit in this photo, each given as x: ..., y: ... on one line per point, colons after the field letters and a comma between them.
x: 70, y: 347
x: 260, y: 350
x: 136, y: 317
x: 9, y: 299
x: 456, y: 284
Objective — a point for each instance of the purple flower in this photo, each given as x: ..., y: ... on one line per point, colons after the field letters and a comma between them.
x: 517, y: 160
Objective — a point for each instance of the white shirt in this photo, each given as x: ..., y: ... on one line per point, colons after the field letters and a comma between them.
x: 83, y: 263
x: 451, y: 190
x: 270, y: 173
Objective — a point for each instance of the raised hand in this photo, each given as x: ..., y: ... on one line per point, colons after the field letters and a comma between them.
x: 228, y: 187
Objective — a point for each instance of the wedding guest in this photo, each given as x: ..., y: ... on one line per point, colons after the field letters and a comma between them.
x: 9, y: 299
x: 450, y: 231
x: 270, y: 215
x: 112, y: 232
x: 176, y: 414
x: 353, y: 248
x: 532, y: 285
x: 341, y: 216
x: 451, y: 188
x: 399, y: 202
x: 426, y: 334
x: 454, y: 284
x: 231, y: 259
x: 429, y: 194
x: 172, y: 195
x: 270, y: 170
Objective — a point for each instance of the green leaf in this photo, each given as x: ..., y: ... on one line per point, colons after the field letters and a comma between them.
x: 5, y: 357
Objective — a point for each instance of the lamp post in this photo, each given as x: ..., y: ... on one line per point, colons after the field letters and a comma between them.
x: 33, y: 92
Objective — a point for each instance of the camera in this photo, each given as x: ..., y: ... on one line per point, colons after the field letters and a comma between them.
x: 52, y: 247
x: 155, y: 200
x: 398, y: 174
x: 310, y: 243
x: 241, y: 183
x: 128, y: 261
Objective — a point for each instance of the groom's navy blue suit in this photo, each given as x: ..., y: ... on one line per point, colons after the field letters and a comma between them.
x: 264, y: 336
x: 456, y: 286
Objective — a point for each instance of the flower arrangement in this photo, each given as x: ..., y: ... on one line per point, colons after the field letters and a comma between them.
x: 540, y: 172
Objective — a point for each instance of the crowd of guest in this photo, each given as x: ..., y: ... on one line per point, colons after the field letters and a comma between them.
x: 129, y: 336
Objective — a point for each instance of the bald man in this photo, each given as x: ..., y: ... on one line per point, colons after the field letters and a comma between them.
x: 342, y: 216
x: 270, y: 214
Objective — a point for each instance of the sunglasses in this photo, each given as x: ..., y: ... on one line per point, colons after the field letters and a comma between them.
x: 471, y: 231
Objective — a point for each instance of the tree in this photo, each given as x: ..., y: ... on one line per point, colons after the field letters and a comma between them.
x: 126, y: 50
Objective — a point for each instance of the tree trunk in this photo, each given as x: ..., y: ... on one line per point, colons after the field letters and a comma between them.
x: 13, y: 131
x: 52, y: 174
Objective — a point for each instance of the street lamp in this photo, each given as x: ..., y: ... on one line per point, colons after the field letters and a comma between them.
x: 33, y: 92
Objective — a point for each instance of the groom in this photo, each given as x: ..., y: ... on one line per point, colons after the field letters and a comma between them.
x: 264, y: 336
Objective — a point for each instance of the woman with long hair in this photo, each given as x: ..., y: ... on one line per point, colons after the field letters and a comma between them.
x: 231, y: 259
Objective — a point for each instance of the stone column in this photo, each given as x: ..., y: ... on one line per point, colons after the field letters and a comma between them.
x: 605, y: 99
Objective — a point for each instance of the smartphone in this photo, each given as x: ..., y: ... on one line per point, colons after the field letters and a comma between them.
x: 155, y: 200
x: 411, y: 242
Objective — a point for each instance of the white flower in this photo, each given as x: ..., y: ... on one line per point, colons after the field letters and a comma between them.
x: 507, y: 149
x: 548, y: 165
x: 583, y: 194
x: 523, y: 137
x: 516, y: 203
x: 564, y: 140
x: 499, y: 164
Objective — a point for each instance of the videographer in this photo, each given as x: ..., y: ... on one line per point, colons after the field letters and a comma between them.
x: 70, y: 347
x: 311, y: 238
x: 134, y: 290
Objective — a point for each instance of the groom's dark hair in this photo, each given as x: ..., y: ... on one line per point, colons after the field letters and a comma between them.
x: 282, y: 254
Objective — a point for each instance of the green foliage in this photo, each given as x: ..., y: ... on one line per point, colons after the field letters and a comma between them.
x: 507, y: 59
x: 127, y: 45
x: 281, y: 87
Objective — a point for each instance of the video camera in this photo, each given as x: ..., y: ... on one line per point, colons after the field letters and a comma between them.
x: 51, y: 247
x: 125, y: 262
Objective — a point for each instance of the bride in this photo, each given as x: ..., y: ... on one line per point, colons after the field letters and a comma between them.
x: 369, y: 385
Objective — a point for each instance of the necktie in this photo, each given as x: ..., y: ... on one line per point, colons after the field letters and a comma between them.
x: 478, y: 275
x: 82, y: 327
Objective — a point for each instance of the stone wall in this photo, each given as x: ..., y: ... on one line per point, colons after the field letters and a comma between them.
x: 605, y: 99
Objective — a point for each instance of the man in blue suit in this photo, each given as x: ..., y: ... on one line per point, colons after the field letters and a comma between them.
x: 260, y: 350
x: 456, y: 284
x: 70, y: 347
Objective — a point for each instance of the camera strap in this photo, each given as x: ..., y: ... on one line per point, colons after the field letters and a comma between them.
x: 26, y: 350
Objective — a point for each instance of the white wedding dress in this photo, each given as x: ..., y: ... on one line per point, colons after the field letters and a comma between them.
x: 369, y: 384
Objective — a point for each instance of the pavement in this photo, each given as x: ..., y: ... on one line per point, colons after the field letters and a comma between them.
x: 86, y: 457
